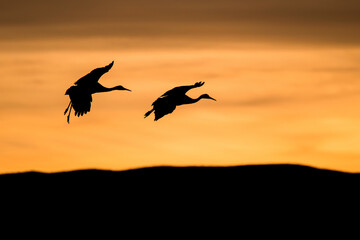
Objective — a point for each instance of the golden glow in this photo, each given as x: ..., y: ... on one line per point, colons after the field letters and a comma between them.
x: 285, y: 76
x: 275, y: 105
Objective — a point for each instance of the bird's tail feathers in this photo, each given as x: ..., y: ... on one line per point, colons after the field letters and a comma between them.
x: 148, y: 113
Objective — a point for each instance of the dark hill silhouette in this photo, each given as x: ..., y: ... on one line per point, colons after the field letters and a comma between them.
x: 290, y: 196
x: 281, y: 179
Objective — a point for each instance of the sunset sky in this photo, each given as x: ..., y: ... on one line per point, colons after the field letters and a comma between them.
x: 286, y: 76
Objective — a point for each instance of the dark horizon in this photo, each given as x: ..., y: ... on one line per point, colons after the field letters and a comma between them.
x: 278, y: 167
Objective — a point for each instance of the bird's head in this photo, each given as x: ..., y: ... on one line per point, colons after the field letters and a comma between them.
x: 207, y: 96
x: 121, y: 88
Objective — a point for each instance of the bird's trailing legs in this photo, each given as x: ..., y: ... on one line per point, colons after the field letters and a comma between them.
x: 69, y: 106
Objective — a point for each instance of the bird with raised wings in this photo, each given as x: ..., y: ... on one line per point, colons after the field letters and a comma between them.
x: 167, y: 102
x: 80, y: 93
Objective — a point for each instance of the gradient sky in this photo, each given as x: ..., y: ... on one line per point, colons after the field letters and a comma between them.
x: 285, y: 74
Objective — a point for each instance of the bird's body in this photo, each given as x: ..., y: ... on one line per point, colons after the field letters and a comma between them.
x: 80, y: 100
x: 81, y: 93
x: 167, y: 102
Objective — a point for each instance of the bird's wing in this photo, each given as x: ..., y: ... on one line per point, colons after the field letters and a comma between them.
x: 80, y: 99
x: 94, y: 75
x: 177, y: 91
x: 163, y: 106
x: 182, y: 89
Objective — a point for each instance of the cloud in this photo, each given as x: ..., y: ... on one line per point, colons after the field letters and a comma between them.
x: 284, y: 99
x: 263, y: 101
x: 45, y: 12
x: 18, y: 144
x: 301, y: 21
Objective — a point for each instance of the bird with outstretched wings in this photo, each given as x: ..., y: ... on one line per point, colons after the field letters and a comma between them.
x: 167, y: 102
x: 81, y: 93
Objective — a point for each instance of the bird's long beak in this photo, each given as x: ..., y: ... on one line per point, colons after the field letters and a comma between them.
x: 127, y: 89
x: 212, y: 98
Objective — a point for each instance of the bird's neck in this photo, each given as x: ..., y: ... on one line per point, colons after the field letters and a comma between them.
x: 191, y: 100
x: 104, y: 89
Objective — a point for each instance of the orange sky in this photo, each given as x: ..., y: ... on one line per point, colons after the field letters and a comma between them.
x: 285, y: 77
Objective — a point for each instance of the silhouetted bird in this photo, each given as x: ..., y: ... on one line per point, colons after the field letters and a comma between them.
x: 167, y: 102
x: 80, y: 94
